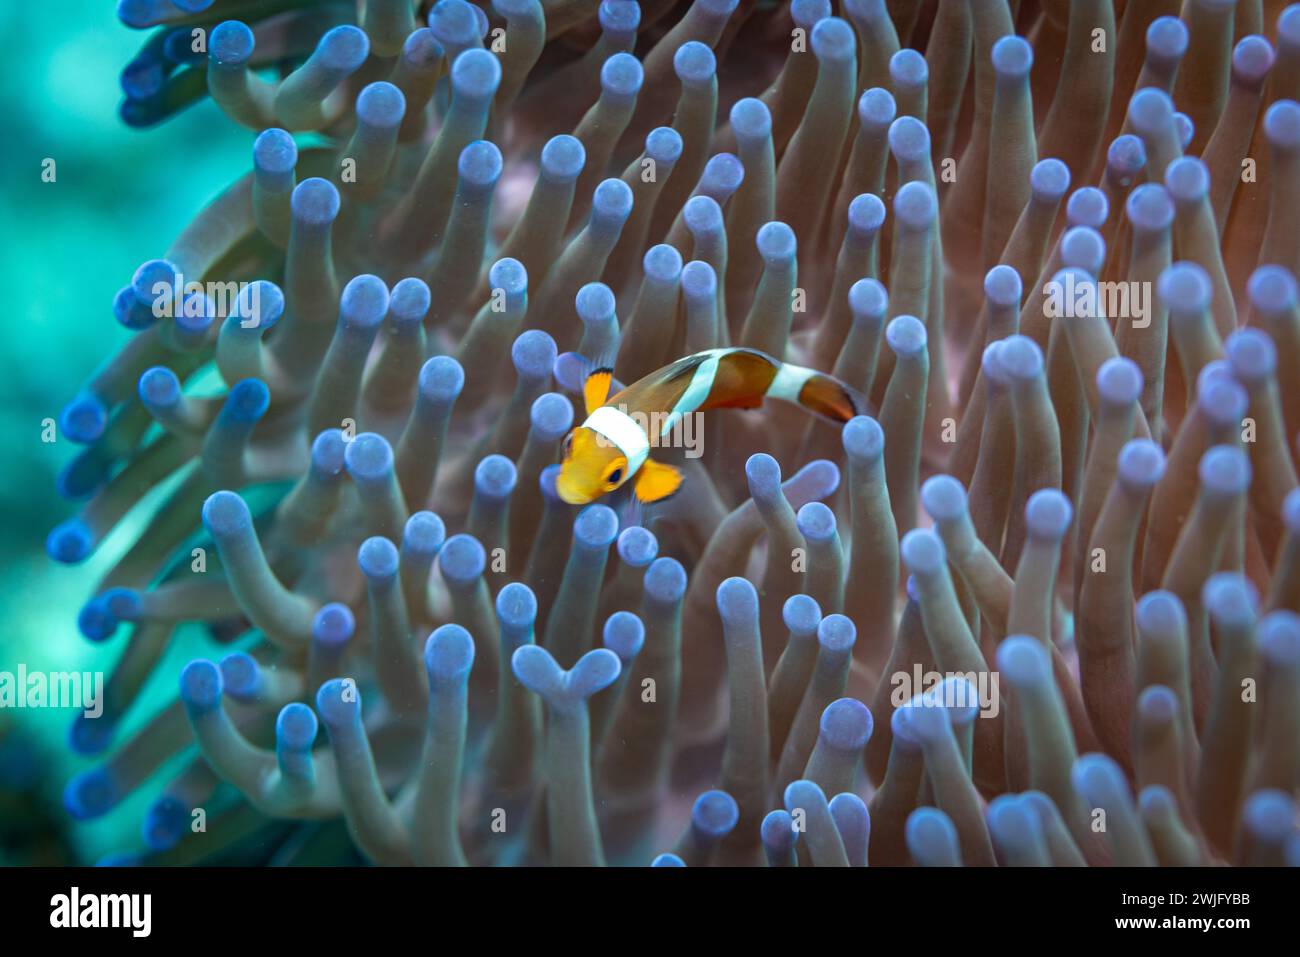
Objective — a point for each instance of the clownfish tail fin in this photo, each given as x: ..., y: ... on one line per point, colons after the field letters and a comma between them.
x: 823, y: 395
x: 829, y: 398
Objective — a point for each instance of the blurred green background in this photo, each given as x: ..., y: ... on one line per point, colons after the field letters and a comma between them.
x: 120, y: 197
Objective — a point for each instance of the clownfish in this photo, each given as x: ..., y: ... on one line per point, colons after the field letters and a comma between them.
x: 612, y: 446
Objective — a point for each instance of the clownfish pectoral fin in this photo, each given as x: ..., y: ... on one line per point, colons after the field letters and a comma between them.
x: 596, y: 389
x: 655, y: 482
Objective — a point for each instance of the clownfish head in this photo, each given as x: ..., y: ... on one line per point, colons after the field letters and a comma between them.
x: 591, y: 467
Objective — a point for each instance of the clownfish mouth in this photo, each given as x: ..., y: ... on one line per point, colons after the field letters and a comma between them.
x: 569, y: 491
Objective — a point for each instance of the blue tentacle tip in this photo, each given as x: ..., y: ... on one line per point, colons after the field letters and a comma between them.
x: 83, y: 419
x: 91, y: 794
x: 846, y: 725
x: 462, y: 560
x: 1097, y: 778
x: 295, y: 728
x: 165, y: 822
x: 836, y: 633
x: 448, y: 657
x: 538, y: 671
x: 853, y: 821
x: 624, y: 634
x: 738, y: 603
x: 803, y: 794
x: 516, y: 606
x: 777, y: 832
x: 241, y: 675
x: 338, y: 702
x: 665, y: 580
x: 201, y: 686
x: 332, y: 626
x: 801, y: 615
x: 637, y: 546
x: 378, y: 559
x: 89, y: 736
x: 932, y: 838
x: 713, y: 816
x: 226, y: 514
x: 70, y: 542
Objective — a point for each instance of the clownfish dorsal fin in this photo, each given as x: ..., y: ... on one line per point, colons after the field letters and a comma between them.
x: 656, y: 482
x: 596, y: 389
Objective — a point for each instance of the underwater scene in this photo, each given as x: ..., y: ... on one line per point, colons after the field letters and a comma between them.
x: 671, y: 433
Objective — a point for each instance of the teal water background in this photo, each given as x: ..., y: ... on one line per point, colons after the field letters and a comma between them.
x: 120, y: 197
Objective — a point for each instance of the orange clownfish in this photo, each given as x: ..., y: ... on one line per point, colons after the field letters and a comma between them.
x: 612, y: 445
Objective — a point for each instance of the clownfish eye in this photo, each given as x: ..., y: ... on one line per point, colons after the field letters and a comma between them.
x: 614, y: 476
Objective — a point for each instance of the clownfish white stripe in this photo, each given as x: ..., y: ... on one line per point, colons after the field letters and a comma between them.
x: 697, y: 392
x: 622, y: 430
x: 789, y: 382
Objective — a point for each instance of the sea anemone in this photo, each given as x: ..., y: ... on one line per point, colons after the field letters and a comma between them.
x: 1041, y: 606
